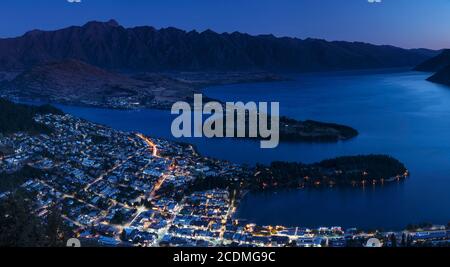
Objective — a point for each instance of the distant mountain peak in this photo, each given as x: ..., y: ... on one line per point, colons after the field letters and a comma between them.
x: 208, y: 31
x: 113, y: 23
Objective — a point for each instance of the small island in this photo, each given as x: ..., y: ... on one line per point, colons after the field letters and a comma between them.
x: 314, y: 131
x: 292, y: 130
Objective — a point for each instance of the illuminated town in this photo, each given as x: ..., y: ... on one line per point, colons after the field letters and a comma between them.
x: 125, y: 189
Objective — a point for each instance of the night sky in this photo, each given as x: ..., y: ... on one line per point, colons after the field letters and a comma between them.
x: 405, y: 23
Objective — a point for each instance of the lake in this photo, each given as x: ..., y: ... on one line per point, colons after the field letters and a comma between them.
x: 396, y: 112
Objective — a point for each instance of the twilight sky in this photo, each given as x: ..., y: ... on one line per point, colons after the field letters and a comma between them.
x: 405, y: 23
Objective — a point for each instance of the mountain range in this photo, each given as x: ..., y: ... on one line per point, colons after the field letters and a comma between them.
x: 109, y: 45
x: 105, y: 64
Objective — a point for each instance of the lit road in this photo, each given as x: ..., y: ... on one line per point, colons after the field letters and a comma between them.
x: 108, y: 172
x: 155, y: 153
x: 150, y: 144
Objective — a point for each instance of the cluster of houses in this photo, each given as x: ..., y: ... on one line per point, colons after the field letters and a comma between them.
x: 124, y: 189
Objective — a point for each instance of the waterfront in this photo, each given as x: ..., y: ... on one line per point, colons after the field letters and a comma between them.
x: 396, y: 113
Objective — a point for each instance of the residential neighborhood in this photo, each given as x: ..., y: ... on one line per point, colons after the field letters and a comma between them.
x: 125, y: 189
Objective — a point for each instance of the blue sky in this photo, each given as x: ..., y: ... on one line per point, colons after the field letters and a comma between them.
x: 405, y: 23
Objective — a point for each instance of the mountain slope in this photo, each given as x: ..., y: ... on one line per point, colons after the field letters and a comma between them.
x: 109, y: 45
x: 436, y: 63
x: 440, y: 65
x: 73, y: 81
x: 19, y: 118
x: 442, y: 76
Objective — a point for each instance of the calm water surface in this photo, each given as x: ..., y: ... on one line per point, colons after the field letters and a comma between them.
x: 396, y: 113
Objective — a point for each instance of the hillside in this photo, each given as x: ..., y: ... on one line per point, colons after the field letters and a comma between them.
x: 436, y: 63
x: 440, y: 65
x: 349, y: 170
x: 442, y: 76
x: 314, y: 131
x: 109, y: 45
x: 19, y: 118
x: 75, y: 82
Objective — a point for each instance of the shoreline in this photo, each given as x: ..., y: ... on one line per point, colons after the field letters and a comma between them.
x: 239, y: 199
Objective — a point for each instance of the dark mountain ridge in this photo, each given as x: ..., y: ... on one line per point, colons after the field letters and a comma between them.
x: 109, y: 45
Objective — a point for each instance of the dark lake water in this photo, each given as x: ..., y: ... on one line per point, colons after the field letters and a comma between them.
x: 397, y: 113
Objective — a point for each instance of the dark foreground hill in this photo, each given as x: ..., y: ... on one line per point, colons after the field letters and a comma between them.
x: 19, y: 118
x: 109, y: 45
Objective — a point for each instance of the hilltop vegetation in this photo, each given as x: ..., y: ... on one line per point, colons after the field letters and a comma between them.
x: 19, y: 117
x: 11, y: 181
x: 341, y: 171
x: 314, y: 131
x: 350, y: 170
x: 21, y: 227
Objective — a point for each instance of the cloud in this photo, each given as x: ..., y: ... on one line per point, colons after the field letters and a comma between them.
x: 74, y: 1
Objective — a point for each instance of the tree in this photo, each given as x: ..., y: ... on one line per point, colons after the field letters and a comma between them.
x: 123, y: 235
x: 403, y: 243
x: 55, y: 229
x: 118, y: 218
x: 19, y: 117
x: 409, y: 241
x: 18, y: 226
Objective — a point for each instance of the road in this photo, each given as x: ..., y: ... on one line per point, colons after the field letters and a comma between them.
x: 150, y: 144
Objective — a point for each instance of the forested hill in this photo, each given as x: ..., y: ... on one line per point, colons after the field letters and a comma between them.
x: 19, y: 118
x: 351, y: 170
